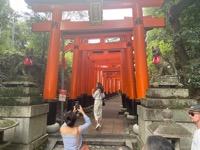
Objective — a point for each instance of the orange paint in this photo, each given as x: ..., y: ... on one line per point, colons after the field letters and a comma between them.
x: 117, y: 25
x: 123, y: 69
x: 84, y: 68
x: 130, y: 70
x: 51, y: 77
x: 140, y: 53
x: 74, y: 80
x: 79, y: 74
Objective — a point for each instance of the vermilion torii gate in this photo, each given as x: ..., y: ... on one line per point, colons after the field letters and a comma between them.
x: 89, y: 58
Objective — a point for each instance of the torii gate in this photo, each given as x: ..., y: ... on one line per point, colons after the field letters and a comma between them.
x: 135, y: 25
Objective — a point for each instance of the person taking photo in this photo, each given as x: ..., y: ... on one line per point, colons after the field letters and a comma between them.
x: 73, y: 135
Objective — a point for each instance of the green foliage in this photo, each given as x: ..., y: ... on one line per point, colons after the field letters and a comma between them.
x: 5, y: 41
x: 192, y: 74
x: 67, y: 71
x: 190, y: 30
x: 21, y: 34
x: 190, y: 33
x: 8, y: 59
x: 5, y: 25
x: 5, y: 15
x: 167, y: 39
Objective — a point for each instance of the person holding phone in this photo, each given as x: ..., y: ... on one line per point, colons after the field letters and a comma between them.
x: 70, y: 132
x: 98, y: 96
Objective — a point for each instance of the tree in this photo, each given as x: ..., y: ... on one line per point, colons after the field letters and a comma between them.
x: 175, y: 14
x: 5, y: 24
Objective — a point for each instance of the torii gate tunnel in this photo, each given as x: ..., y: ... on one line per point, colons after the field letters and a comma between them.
x: 119, y: 65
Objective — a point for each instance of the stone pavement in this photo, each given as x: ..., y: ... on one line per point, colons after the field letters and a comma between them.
x: 114, y: 134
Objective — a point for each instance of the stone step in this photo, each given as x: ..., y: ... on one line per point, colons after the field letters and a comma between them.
x: 105, y: 142
x: 106, y: 139
x: 110, y: 148
x: 98, y: 147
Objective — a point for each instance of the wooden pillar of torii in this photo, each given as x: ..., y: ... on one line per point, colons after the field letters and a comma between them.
x: 51, y: 77
x: 140, y: 52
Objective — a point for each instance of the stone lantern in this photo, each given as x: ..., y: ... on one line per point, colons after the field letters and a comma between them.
x: 169, y: 129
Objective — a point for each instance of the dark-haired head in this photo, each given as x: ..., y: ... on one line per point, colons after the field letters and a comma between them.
x: 70, y: 118
x: 157, y: 143
x: 100, y: 86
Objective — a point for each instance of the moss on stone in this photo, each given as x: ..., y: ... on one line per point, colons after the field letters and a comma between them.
x: 18, y: 91
x: 9, y: 101
x: 5, y: 123
x: 21, y: 78
x: 21, y: 101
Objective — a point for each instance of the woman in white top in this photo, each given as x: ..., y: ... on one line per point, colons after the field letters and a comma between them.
x: 98, y: 96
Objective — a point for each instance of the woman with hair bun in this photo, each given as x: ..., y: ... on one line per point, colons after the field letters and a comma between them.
x: 73, y: 135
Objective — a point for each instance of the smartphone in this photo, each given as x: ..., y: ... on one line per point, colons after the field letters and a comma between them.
x: 77, y: 105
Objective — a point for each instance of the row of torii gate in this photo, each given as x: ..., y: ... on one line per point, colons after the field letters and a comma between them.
x: 119, y: 65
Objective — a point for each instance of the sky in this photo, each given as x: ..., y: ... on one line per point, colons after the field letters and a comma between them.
x: 21, y: 6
